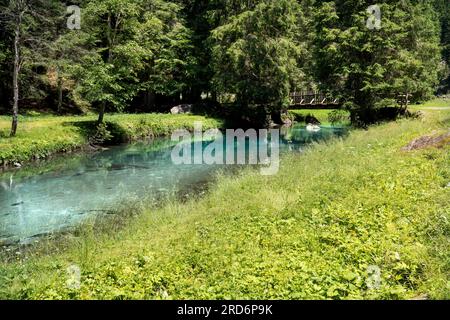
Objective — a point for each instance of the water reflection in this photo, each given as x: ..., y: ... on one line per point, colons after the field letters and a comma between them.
x: 68, y: 191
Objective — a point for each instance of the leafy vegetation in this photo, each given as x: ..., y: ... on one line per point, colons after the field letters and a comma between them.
x: 335, y: 210
x: 150, y: 55
x: 338, y: 212
x: 324, y: 116
x: 256, y: 52
x: 42, y: 136
x: 368, y: 70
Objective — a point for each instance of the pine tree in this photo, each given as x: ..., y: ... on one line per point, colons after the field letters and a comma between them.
x: 370, y: 67
x: 443, y: 10
x: 257, y: 51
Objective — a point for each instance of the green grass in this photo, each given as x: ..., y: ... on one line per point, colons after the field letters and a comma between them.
x: 320, y: 114
x: 333, y: 212
x: 323, y: 114
x: 41, y: 136
x: 435, y: 103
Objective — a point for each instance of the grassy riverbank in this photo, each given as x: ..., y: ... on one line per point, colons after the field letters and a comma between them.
x: 335, y: 212
x: 322, y: 115
x: 325, y: 116
x: 41, y: 136
x: 437, y: 103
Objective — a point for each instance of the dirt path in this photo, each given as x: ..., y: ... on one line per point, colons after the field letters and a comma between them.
x: 436, y: 108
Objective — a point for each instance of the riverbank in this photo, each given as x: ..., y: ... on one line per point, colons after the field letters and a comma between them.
x: 323, y: 116
x: 39, y: 137
x: 339, y: 215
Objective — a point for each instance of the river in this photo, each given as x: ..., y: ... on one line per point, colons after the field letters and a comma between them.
x: 61, y: 193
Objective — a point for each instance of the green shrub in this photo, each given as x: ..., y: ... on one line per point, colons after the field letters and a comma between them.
x: 336, y: 211
x: 338, y: 116
x: 101, y: 135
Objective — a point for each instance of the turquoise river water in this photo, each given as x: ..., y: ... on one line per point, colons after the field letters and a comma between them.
x: 61, y: 193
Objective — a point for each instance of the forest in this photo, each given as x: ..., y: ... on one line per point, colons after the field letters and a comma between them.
x: 126, y: 173
x: 245, y: 56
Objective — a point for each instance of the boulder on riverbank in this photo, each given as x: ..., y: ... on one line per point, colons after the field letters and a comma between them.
x: 181, y: 109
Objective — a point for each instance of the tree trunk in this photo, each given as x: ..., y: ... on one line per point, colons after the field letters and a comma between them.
x: 60, y: 91
x: 101, y: 113
x: 149, y: 101
x: 16, y: 71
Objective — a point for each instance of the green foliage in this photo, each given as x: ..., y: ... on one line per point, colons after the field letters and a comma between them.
x: 27, y: 27
x: 43, y: 136
x: 145, y: 47
x: 338, y: 116
x: 102, y: 134
x: 314, y: 239
x: 441, y: 103
x: 443, y: 10
x: 325, y: 116
x: 334, y: 211
x: 369, y: 68
x: 256, y: 53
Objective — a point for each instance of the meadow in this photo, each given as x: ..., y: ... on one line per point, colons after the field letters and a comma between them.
x: 353, y: 218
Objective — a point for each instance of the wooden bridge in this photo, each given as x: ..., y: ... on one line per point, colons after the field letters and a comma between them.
x: 313, y: 100
x: 320, y: 100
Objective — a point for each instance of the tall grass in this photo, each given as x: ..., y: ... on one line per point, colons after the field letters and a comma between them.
x: 314, y: 231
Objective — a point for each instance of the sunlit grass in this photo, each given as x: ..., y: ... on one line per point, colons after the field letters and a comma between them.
x: 320, y: 114
x: 435, y: 103
x: 310, y: 232
x: 40, y: 136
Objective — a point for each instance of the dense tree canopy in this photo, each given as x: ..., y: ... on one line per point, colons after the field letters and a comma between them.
x: 370, y: 67
x: 133, y: 46
x: 249, y: 52
x: 257, y: 53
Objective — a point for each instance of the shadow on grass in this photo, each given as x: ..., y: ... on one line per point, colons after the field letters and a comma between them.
x: 4, y: 134
x: 89, y: 129
x: 446, y: 121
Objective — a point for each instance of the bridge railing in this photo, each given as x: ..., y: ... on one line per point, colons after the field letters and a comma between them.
x: 312, y: 98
